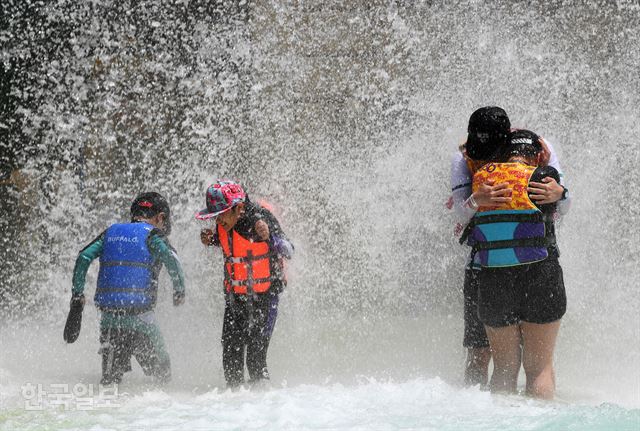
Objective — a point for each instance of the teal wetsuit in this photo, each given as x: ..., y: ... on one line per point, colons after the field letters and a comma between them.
x: 124, y: 333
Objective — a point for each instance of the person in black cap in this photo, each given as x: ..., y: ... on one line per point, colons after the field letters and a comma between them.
x: 131, y: 256
x: 489, y: 129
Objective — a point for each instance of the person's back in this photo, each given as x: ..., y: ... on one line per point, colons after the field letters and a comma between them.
x: 514, y: 232
x: 521, y: 290
x: 127, y: 280
x: 131, y: 256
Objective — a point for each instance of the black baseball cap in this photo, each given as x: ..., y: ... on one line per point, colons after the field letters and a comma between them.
x: 487, y: 131
x: 148, y: 205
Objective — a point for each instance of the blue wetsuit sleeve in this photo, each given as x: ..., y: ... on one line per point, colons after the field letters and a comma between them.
x: 83, y: 261
x: 162, y: 251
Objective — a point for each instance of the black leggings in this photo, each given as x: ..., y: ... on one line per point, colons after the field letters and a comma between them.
x: 475, y: 336
x: 247, y: 324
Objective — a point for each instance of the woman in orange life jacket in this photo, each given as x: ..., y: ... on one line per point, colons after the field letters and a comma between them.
x: 521, y: 295
x: 488, y: 131
x: 254, y: 246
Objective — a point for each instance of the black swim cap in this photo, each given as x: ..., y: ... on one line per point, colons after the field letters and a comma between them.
x: 523, y: 143
x: 148, y: 205
x: 488, y: 130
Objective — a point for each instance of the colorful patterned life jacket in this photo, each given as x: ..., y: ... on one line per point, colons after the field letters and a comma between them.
x: 247, y: 264
x: 509, y: 234
x: 125, y: 279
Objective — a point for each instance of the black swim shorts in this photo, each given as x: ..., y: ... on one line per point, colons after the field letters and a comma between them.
x: 531, y: 293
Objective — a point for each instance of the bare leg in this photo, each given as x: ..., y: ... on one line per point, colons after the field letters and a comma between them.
x: 506, y: 352
x: 539, y: 343
x: 476, y: 370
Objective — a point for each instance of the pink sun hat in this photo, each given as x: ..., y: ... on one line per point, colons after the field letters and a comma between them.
x: 221, y: 197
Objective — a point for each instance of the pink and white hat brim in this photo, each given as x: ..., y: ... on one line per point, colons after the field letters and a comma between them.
x: 206, y: 215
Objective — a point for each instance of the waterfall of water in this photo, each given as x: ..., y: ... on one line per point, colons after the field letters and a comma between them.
x: 343, y: 114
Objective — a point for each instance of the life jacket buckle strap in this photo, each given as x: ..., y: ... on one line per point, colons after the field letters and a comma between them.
x: 237, y: 283
x: 535, y: 217
x: 245, y: 259
x: 511, y: 243
x: 126, y: 263
x: 466, y: 232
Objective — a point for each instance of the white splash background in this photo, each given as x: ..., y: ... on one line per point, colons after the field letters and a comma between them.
x: 345, y: 116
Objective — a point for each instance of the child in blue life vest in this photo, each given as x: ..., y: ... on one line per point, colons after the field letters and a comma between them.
x: 254, y: 246
x: 131, y: 256
x: 489, y: 129
x: 521, y: 294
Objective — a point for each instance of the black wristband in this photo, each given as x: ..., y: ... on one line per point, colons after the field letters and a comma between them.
x: 564, y: 193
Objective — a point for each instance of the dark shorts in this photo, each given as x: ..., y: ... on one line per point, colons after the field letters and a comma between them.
x: 475, y: 336
x: 531, y: 293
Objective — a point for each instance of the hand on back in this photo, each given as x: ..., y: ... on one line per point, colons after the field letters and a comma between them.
x: 262, y: 230
x: 546, y: 192
x: 490, y: 194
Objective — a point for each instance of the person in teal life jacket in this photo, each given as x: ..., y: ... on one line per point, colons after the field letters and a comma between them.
x: 131, y: 257
x: 521, y: 294
x: 489, y: 129
x: 254, y: 248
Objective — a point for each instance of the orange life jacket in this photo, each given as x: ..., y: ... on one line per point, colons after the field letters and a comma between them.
x: 247, y: 264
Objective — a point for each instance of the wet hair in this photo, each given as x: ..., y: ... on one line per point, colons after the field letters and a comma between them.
x: 523, y: 143
x: 148, y: 205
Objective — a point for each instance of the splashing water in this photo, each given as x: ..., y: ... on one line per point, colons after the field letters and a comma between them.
x: 343, y: 114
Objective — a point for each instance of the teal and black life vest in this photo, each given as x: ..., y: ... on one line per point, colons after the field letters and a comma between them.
x: 513, y: 233
x: 126, y: 278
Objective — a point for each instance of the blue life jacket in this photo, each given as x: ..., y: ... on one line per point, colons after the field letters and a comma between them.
x: 126, y: 277
x: 509, y: 238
